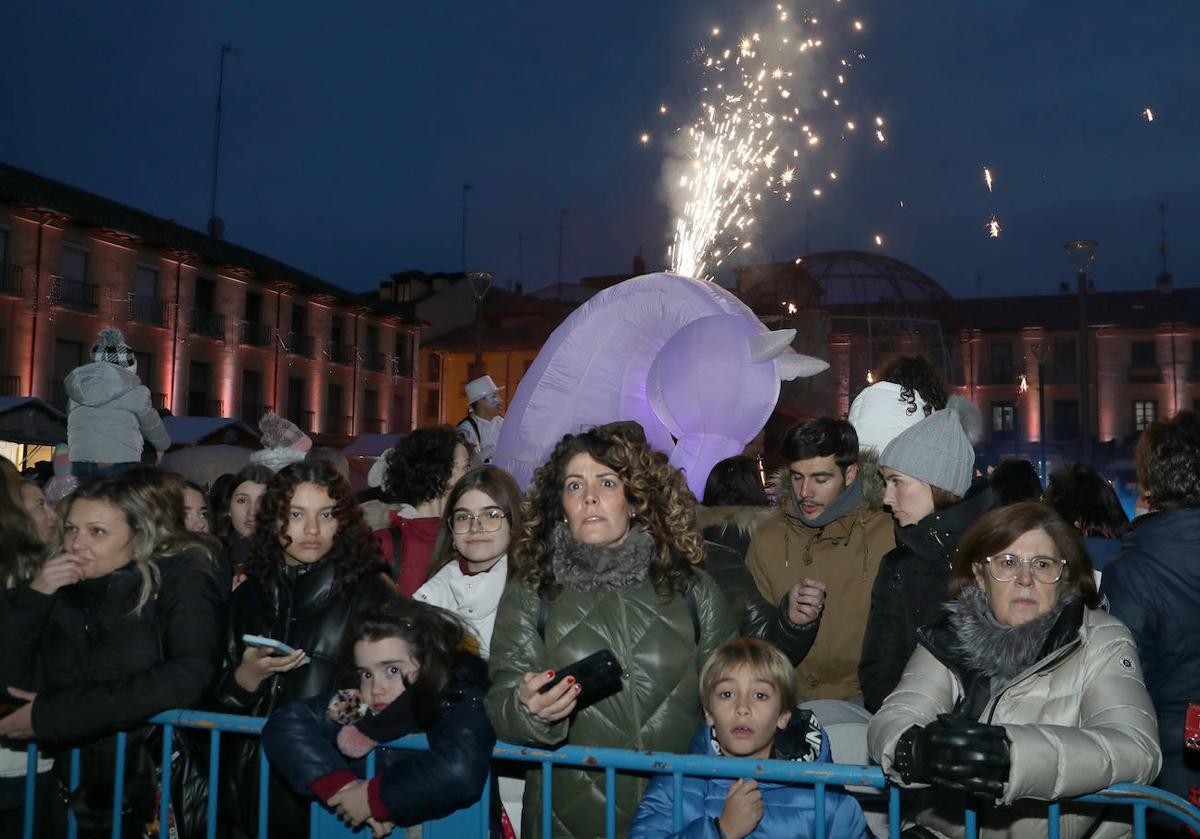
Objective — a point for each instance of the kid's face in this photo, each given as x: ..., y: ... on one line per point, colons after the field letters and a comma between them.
x: 383, y: 666
x: 311, y: 525
x: 243, y: 506
x: 195, y: 510
x: 745, y: 711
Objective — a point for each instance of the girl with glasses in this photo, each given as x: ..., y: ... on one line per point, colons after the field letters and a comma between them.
x: 470, y: 567
x: 1023, y: 691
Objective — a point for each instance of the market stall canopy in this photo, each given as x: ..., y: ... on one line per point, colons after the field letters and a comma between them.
x: 25, y: 419
x: 362, y: 452
x: 204, y: 431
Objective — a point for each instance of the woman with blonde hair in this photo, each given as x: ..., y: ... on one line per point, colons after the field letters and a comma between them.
x: 608, y: 559
x: 123, y: 622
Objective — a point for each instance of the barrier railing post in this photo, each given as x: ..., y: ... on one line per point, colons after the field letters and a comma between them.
x: 677, y: 789
x: 264, y: 777
x: 119, y: 784
x: 31, y: 761
x: 547, y: 800
x: 610, y: 799
x: 819, y: 815
x: 164, y: 795
x: 1053, y: 814
x: 893, y: 810
x: 72, y: 785
x: 214, y: 780
x: 970, y: 823
x: 1139, y: 821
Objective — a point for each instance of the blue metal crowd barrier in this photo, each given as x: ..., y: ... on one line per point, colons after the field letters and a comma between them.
x: 473, y: 821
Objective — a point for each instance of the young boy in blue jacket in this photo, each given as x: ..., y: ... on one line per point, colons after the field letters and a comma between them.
x: 748, y: 689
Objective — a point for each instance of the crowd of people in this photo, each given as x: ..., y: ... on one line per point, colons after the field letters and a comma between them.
x: 1009, y: 643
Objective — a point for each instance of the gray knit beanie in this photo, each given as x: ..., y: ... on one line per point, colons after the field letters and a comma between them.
x: 939, y: 449
x: 110, y: 346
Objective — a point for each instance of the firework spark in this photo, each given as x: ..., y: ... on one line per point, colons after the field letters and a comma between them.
x: 1148, y: 115
x: 878, y: 240
x: 987, y: 178
x: 746, y: 124
x: 993, y: 228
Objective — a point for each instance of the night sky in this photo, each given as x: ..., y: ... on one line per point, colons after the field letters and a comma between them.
x: 350, y: 128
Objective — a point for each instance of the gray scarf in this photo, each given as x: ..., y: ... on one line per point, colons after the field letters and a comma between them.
x: 994, y: 649
x: 845, y: 503
x: 592, y: 568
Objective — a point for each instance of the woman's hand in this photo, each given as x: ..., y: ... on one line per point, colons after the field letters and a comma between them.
x: 259, y: 664
x: 63, y: 570
x: 380, y: 829
x: 352, y: 803
x: 556, y: 704
x: 19, y: 724
x: 743, y: 809
x: 805, y: 601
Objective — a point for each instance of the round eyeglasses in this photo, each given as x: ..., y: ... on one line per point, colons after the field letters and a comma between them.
x: 489, y: 520
x: 1005, y: 568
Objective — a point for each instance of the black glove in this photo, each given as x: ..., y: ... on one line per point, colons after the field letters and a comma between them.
x: 955, y: 752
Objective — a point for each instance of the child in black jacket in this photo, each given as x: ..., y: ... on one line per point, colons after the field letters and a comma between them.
x: 416, y: 670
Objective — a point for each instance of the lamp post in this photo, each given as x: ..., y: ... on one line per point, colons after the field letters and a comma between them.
x: 1039, y: 354
x: 480, y: 282
x: 1080, y: 253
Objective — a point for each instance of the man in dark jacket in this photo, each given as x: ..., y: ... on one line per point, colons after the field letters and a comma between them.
x: 1153, y: 586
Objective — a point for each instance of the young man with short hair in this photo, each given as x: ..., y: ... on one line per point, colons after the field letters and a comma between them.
x: 822, y: 549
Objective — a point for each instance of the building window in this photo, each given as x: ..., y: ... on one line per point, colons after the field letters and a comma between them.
x: 297, y: 399
x: 371, y: 410
x: 73, y: 263
x: 1001, y: 363
x: 433, y: 368
x: 1142, y: 355
x: 1066, y: 419
x: 336, y: 420
x: 206, y: 294
x: 3, y: 246
x: 431, y: 405
x: 199, y: 384
x: 252, y: 407
x: 299, y: 319
x: 1003, y: 417
x: 1063, y: 365
x: 1144, y: 412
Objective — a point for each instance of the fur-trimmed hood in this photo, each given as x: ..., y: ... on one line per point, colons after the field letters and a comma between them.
x: 742, y: 518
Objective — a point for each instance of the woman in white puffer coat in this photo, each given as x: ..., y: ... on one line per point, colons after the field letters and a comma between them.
x: 1023, y: 692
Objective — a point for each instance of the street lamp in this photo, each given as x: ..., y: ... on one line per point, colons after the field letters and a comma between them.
x: 1080, y: 254
x: 480, y: 282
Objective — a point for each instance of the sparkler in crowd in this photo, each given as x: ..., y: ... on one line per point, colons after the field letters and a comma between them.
x: 993, y: 227
x: 749, y: 120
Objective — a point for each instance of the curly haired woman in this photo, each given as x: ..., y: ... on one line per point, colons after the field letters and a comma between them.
x: 607, y: 559
x: 311, y: 566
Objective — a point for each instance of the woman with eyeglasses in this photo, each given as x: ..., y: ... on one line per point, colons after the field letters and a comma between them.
x: 470, y: 567
x: 1024, y: 690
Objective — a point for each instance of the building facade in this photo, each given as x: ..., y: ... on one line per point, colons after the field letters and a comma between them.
x: 219, y: 330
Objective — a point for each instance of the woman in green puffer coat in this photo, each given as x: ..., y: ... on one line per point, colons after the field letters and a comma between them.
x: 607, y: 559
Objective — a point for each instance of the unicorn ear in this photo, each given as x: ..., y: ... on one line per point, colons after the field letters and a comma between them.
x: 767, y: 345
x: 793, y: 365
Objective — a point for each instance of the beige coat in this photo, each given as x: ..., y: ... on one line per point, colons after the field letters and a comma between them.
x: 843, y: 554
x: 1078, y: 721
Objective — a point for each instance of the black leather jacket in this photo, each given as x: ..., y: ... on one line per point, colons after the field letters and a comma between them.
x: 297, y: 606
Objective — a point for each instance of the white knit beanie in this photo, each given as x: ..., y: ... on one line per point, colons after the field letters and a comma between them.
x: 879, y: 413
x: 939, y: 449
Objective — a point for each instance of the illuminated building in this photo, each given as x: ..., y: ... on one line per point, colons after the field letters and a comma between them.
x: 218, y: 329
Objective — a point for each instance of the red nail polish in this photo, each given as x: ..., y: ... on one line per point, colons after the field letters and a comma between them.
x: 577, y: 688
x: 570, y: 680
x: 549, y: 674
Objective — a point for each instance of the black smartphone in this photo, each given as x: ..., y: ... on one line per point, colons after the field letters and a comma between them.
x: 10, y: 703
x: 598, y: 675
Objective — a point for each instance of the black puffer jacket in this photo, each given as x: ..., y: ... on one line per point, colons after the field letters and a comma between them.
x: 99, y: 667
x: 416, y: 786
x: 1153, y: 587
x: 297, y: 606
x: 909, y: 590
x: 756, y: 618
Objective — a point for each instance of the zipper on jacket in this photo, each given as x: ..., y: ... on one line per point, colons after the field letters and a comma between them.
x: 1062, y: 654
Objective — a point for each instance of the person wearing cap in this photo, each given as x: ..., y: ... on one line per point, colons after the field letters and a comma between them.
x: 110, y: 415
x: 927, y: 471
x: 481, y: 428
x: 822, y: 545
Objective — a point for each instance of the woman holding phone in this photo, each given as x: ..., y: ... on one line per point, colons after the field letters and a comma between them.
x: 311, y: 565
x: 607, y: 560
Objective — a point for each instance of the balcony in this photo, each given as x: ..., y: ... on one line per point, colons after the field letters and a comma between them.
x: 340, y: 353
x: 402, y: 367
x: 339, y: 424
x: 58, y: 394
x: 10, y: 386
x: 148, y: 310
x: 1145, y: 375
x: 12, y: 281
x: 374, y: 361
x: 373, y: 425
x: 78, y: 295
x: 301, y: 345
x: 302, y: 419
x: 207, y: 324
x: 254, y: 334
